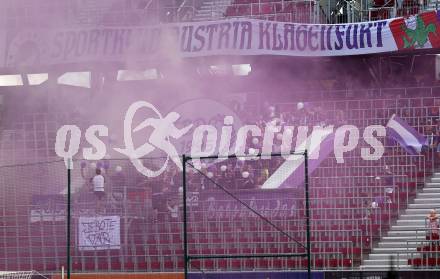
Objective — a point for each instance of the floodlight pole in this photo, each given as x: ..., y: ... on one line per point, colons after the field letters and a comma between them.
x: 306, y: 182
x: 69, y: 166
x: 185, y: 236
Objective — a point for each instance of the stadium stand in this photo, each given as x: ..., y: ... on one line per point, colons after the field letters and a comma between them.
x: 284, y: 11
x: 141, y: 12
x: 344, y: 230
x: 362, y: 212
x: 387, y: 9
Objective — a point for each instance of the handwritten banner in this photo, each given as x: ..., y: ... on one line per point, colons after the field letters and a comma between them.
x: 224, y: 37
x: 99, y: 233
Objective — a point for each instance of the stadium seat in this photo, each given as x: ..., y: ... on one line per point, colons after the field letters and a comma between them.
x: 155, y: 265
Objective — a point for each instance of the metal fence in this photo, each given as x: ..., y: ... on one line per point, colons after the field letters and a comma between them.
x: 52, y: 13
x: 344, y: 219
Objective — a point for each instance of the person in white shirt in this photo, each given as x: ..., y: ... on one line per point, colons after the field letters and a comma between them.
x: 98, y: 185
x: 173, y: 209
x: 433, y: 225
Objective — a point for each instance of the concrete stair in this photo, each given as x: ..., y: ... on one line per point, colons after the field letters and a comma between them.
x: 409, y: 227
x: 212, y: 10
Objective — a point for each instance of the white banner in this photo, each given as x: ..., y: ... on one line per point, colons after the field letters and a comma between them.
x: 134, y: 45
x: 42, y: 215
x: 99, y: 233
x: 48, y: 208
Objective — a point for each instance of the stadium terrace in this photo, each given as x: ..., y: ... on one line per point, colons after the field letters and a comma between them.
x: 220, y: 139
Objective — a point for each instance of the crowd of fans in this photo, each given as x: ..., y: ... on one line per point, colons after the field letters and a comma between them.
x: 107, y: 179
x: 235, y: 174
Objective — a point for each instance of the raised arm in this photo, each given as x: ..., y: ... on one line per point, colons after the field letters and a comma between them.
x: 177, y: 133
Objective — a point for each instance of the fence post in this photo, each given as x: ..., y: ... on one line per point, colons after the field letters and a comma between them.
x: 185, y: 233
x: 306, y: 182
x: 69, y: 167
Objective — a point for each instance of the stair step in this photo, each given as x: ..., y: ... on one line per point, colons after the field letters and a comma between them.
x: 428, y: 195
x: 421, y: 205
x: 403, y: 238
x: 427, y: 200
x: 418, y: 222
x: 385, y: 261
x: 411, y: 211
x: 412, y: 217
x: 382, y: 267
x: 411, y: 233
x: 407, y: 227
x: 398, y: 244
x: 389, y: 250
x: 387, y: 256
x: 431, y: 190
x: 432, y: 184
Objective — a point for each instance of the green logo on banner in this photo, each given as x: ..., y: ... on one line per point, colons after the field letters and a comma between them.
x: 418, y: 37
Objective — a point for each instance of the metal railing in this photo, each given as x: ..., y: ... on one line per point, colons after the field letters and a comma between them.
x: 307, y: 11
x: 397, y: 8
x: 72, y: 14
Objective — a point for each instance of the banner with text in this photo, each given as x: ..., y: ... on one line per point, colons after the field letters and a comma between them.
x: 99, y: 233
x: 224, y: 37
x: 48, y: 208
x: 270, y: 203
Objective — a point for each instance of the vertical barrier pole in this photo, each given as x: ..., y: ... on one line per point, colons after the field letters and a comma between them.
x: 433, y: 158
x: 69, y: 166
x: 306, y: 182
x: 185, y: 236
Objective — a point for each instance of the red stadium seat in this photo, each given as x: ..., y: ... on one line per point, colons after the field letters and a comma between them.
x: 347, y: 262
x: 168, y: 265
x: 278, y: 263
x: 263, y: 263
x: 155, y: 265
x: 129, y: 265
x: 244, y: 10
x: 222, y: 264
x: 319, y: 263
x: 208, y: 264
x: 231, y: 11
x: 103, y: 264
x: 333, y: 263
x: 267, y: 8
x: 89, y: 265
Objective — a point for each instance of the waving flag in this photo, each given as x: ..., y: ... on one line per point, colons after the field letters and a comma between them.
x: 291, y: 172
x: 400, y: 131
